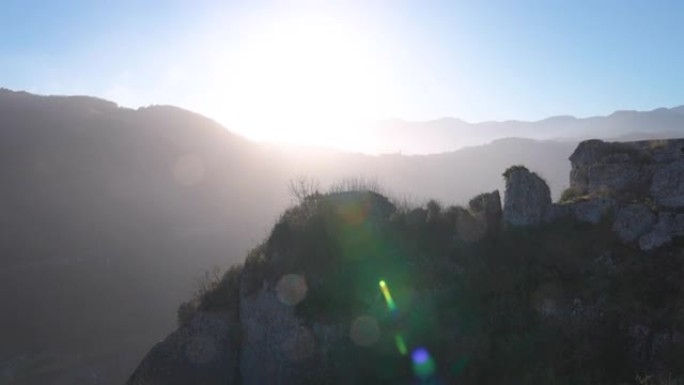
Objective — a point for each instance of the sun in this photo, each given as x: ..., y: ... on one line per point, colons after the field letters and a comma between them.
x: 305, y: 80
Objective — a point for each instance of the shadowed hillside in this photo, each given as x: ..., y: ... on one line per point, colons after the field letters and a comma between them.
x: 108, y: 216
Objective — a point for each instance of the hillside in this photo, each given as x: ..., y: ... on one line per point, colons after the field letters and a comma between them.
x: 350, y: 288
x: 108, y: 217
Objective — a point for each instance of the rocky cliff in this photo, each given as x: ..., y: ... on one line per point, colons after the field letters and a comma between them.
x: 637, y: 186
x: 349, y: 288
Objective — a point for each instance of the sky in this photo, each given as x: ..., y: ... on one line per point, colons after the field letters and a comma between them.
x: 277, y: 69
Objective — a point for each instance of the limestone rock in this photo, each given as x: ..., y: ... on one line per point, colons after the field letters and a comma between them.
x: 665, y: 150
x: 488, y: 206
x: 527, y: 197
x: 633, y: 221
x: 203, y: 351
x: 278, y: 347
x: 593, y: 211
x: 618, y: 179
x: 268, y: 326
x: 667, y: 187
x: 604, y: 168
x: 669, y: 226
x: 625, y: 170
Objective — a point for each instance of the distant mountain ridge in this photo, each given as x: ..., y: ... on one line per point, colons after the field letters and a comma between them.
x: 448, y: 134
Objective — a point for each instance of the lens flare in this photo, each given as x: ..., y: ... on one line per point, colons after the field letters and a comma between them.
x: 388, y: 297
x: 291, y: 289
x: 423, y: 365
x: 401, y: 344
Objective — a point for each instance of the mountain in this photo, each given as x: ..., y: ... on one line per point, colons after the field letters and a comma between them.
x: 110, y: 215
x: 448, y: 134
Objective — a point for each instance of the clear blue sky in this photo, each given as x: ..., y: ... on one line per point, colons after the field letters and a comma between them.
x: 477, y: 60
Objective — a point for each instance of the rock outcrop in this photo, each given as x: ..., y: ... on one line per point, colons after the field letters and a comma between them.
x: 633, y: 221
x: 627, y: 170
x: 667, y: 188
x: 527, y: 197
x: 638, y: 186
x: 669, y: 226
x: 592, y: 211
x: 307, y: 308
x: 277, y: 344
x: 487, y: 206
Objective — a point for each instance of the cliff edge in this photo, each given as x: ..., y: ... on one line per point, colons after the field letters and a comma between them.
x: 352, y: 288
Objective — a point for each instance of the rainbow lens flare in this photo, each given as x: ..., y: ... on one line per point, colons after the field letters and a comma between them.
x: 423, y: 365
x: 388, y: 297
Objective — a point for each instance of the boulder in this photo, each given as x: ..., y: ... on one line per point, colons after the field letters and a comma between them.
x: 527, y: 197
x: 667, y: 187
x: 633, y: 221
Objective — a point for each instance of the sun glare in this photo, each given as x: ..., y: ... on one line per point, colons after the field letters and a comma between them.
x: 304, y: 80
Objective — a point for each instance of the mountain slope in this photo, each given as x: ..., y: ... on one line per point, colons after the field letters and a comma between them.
x: 104, y: 211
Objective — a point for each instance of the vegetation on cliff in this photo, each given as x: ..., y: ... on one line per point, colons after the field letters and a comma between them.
x: 562, y: 303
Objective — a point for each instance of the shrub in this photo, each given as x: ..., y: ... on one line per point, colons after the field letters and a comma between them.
x: 185, y: 312
x: 302, y: 188
x: 571, y: 194
x: 434, y: 211
x: 357, y: 183
x: 223, y: 294
x: 215, y: 292
x: 513, y: 169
